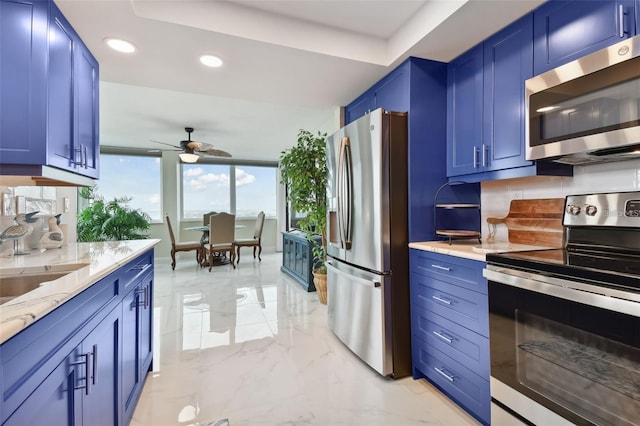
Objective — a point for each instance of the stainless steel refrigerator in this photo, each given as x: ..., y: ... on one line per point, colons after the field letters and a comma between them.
x: 367, y: 241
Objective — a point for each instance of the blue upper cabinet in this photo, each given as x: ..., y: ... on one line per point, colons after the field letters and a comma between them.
x: 49, y: 91
x: 508, y: 62
x: 567, y: 30
x: 23, y: 83
x: 364, y: 104
x: 464, y: 113
x: 417, y: 86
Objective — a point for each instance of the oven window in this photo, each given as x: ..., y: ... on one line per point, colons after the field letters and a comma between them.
x: 602, y: 101
x: 580, y: 361
x: 595, y: 377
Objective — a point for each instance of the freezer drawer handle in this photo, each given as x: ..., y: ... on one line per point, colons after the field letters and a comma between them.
x: 442, y: 336
x: 440, y: 299
x: 375, y: 284
x: 445, y: 375
x: 444, y: 268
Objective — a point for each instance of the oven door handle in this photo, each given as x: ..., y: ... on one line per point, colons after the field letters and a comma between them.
x: 588, y: 294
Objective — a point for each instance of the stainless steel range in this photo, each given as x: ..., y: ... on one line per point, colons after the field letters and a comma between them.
x: 565, y: 323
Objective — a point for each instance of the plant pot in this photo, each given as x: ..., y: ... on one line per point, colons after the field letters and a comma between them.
x: 320, y: 281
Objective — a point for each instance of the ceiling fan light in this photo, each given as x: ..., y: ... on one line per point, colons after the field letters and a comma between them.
x: 188, y: 158
x: 211, y: 61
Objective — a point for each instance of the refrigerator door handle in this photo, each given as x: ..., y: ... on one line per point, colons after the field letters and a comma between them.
x: 345, y: 179
x: 360, y: 280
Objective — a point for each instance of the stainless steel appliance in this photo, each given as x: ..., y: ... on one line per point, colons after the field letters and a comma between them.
x: 588, y: 110
x: 367, y: 247
x: 564, y: 324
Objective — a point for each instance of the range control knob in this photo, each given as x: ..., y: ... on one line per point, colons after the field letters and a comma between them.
x: 573, y: 209
x: 590, y: 210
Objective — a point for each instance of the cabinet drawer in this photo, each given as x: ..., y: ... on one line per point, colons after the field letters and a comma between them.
x: 468, y: 348
x: 462, y: 272
x: 136, y: 268
x: 463, y: 385
x: 465, y: 307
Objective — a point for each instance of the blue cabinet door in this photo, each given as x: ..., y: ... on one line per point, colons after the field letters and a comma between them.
x: 86, y: 138
x: 392, y: 92
x: 60, y: 132
x: 102, y: 347
x: 566, y: 30
x: 464, y: 112
x: 508, y: 62
x: 56, y: 401
x: 359, y: 107
x: 23, y: 94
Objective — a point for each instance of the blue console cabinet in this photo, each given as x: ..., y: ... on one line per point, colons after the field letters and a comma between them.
x: 86, y: 361
x: 417, y: 86
x: 566, y: 30
x: 49, y: 94
x: 450, y: 328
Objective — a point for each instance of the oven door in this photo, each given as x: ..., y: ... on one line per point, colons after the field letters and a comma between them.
x: 563, y: 350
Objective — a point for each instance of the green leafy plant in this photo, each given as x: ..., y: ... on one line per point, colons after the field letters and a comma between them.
x: 112, y: 220
x: 303, y: 169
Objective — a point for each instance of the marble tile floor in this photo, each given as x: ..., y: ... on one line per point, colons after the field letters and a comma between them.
x: 251, y: 346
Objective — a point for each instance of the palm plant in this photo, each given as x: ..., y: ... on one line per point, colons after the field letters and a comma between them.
x: 112, y: 220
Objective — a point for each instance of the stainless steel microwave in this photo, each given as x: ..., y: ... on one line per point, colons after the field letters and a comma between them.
x: 588, y: 110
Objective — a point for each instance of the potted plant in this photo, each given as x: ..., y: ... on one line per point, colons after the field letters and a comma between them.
x: 303, y: 169
x: 113, y: 220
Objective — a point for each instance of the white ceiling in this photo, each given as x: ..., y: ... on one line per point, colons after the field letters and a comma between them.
x: 288, y: 65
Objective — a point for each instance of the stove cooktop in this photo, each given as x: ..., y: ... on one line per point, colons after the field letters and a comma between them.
x: 597, y: 267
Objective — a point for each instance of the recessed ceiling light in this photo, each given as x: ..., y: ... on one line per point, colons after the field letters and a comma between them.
x: 120, y: 45
x: 211, y: 61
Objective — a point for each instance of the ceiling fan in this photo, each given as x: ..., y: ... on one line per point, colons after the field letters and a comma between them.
x: 191, y: 150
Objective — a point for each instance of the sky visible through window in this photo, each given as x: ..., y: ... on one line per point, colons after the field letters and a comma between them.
x: 136, y: 177
x: 206, y: 187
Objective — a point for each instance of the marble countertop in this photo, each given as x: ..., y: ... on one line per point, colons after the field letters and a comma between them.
x: 471, y: 249
x: 89, y: 262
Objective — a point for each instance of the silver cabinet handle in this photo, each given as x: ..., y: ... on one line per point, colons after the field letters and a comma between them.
x: 440, y: 299
x: 144, y: 292
x: 445, y: 375
x: 484, y: 155
x: 87, y: 368
x: 442, y: 336
x: 444, y: 268
x: 475, y: 157
x: 95, y: 365
x: 621, y: 31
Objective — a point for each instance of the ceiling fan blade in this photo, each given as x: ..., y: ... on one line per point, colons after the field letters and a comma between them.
x: 216, y: 153
x: 177, y: 148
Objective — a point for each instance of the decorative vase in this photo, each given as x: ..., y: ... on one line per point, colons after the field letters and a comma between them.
x: 320, y: 281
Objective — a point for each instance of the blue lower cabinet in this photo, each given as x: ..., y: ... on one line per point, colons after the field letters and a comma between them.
x: 86, y: 361
x: 450, y: 328
x: 461, y: 384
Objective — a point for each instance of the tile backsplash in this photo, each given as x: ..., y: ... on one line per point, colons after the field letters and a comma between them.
x: 607, y: 177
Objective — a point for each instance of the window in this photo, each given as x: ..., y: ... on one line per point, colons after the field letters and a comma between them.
x: 255, y: 191
x: 207, y: 187
x: 135, y: 177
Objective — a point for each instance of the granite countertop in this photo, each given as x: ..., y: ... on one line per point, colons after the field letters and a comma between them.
x: 89, y: 263
x: 471, y: 249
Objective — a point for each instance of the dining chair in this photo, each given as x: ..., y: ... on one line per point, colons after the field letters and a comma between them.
x: 204, y: 240
x: 183, y: 246
x: 221, y: 237
x: 255, y: 242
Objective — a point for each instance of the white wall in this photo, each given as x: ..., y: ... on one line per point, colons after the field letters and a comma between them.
x: 608, y: 177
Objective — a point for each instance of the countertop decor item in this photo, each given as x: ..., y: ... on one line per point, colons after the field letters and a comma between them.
x: 532, y: 221
x: 457, y: 211
x: 54, y: 238
x: 18, y: 232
